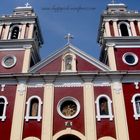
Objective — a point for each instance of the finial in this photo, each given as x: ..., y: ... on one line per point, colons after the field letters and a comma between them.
x: 113, y: 1
x: 27, y: 4
x: 68, y: 37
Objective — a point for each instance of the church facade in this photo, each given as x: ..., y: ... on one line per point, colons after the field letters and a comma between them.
x: 70, y: 95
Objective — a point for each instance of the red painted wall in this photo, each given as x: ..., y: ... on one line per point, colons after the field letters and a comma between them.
x: 133, y: 125
x: 54, y: 66
x: 119, y: 62
x: 33, y: 127
x: 105, y: 127
x: 5, y: 126
x: 16, y: 68
x: 83, y: 65
x: 59, y: 122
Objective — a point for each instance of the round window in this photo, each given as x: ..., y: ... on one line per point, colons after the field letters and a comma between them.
x: 130, y: 58
x: 8, y: 61
x: 68, y: 107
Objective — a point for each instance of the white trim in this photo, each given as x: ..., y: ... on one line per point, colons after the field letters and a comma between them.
x: 130, y: 53
x: 31, y: 138
x: 5, y: 57
x: 62, y: 84
x: 109, y: 102
x: 3, y: 117
x: 12, y: 49
x: 68, y: 98
x: 38, y: 117
x: 127, y: 46
x: 128, y: 28
x: 136, y: 115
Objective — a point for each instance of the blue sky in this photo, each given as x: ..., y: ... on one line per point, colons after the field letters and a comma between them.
x: 82, y: 24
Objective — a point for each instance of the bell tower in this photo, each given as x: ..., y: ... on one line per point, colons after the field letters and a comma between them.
x: 20, y: 40
x: 119, y: 37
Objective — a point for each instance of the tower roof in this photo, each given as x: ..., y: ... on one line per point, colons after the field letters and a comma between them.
x: 116, y: 7
x: 27, y: 9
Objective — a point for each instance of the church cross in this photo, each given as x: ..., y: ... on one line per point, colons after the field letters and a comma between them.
x: 27, y: 4
x: 68, y: 37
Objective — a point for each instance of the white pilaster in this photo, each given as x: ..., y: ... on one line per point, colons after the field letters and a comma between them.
x: 47, y: 121
x: 89, y: 111
x: 111, y: 57
x: 133, y: 30
x: 23, y: 28
x: 119, y: 112
x: 6, y: 33
x: 116, y: 31
x: 107, y: 29
x: 31, y: 29
x: 19, y: 111
x: 26, y: 60
x: 1, y: 30
x: 139, y: 25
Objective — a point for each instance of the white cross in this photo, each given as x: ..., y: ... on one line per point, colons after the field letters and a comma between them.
x: 27, y: 4
x: 68, y: 37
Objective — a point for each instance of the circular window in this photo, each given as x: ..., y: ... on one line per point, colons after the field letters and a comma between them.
x: 68, y: 107
x: 8, y: 61
x: 130, y: 58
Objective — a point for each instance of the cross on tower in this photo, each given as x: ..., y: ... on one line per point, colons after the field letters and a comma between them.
x: 68, y: 37
x: 27, y: 4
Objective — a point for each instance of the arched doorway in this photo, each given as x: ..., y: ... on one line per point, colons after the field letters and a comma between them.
x: 68, y: 137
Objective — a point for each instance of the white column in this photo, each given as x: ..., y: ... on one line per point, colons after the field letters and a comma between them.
x: 111, y: 57
x: 6, y: 33
x: 47, y: 121
x: 139, y: 26
x: 116, y: 31
x: 1, y: 30
x: 26, y: 60
x: 107, y: 29
x: 19, y: 111
x: 31, y: 29
x: 119, y: 112
x: 23, y: 28
x: 89, y: 112
x: 133, y: 30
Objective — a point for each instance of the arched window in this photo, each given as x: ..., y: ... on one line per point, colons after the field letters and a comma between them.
x: 103, y: 103
x: 69, y: 63
x: 68, y: 137
x: 3, y: 105
x: 124, y: 29
x: 103, y: 107
x: 34, y: 107
x: 33, y: 110
x: 136, y: 105
x: 14, y: 32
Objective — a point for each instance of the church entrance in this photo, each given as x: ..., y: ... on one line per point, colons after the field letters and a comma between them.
x: 68, y: 137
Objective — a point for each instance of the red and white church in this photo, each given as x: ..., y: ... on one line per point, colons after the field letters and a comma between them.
x: 70, y: 95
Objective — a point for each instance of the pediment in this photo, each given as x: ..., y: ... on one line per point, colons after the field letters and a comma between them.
x: 82, y: 62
